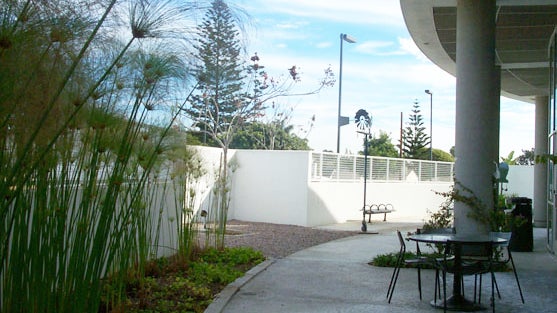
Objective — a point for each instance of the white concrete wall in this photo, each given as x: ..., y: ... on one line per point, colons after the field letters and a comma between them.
x: 339, y: 202
x: 274, y: 187
x: 270, y: 186
x: 210, y: 161
x: 521, y: 181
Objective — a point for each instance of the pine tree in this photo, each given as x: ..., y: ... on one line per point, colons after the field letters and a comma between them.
x: 415, y: 141
x: 220, y: 105
x: 219, y: 97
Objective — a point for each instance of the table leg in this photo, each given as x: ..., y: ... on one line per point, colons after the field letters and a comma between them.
x: 457, y: 302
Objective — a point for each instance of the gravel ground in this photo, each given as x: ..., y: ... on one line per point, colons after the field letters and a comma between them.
x: 276, y: 240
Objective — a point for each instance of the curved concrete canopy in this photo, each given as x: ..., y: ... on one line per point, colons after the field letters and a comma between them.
x: 524, y: 31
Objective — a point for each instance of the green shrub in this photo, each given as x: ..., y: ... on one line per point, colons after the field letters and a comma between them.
x: 389, y: 259
x: 232, y: 256
x: 175, y: 284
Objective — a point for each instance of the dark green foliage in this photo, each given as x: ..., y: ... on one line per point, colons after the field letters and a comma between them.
x: 527, y: 157
x: 442, y: 218
x: 382, y: 146
x: 493, y: 217
x: 177, y: 285
x: 414, y: 139
x: 196, y: 138
x: 269, y: 136
x: 440, y: 155
x: 389, y: 259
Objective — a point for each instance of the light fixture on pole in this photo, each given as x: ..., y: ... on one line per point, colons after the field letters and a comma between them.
x: 342, y: 120
x: 430, y: 123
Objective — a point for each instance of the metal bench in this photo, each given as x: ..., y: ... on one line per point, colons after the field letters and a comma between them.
x: 377, y: 209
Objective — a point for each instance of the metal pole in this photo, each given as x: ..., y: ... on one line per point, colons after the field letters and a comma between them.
x: 431, y: 126
x: 430, y: 123
x: 364, y: 225
x: 341, y: 120
x: 401, y: 137
x: 365, y: 170
x: 339, y: 93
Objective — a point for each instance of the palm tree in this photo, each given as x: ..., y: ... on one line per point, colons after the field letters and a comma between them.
x: 510, y: 159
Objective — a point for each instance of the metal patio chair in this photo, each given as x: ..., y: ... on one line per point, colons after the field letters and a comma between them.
x: 508, y: 258
x: 417, y: 262
x: 474, y: 258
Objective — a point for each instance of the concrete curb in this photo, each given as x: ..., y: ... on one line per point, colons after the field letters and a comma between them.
x: 226, y: 294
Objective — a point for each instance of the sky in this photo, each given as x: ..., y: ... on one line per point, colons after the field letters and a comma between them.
x: 384, y: 72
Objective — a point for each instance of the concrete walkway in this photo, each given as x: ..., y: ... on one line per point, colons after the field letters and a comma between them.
x: 336, y: 277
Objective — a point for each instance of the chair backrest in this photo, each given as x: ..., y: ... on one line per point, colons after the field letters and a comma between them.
x: 473, y: 250
x: 439, y: 247
x: 504, y: 254
x: 401, y: 240
x: 448, y: 230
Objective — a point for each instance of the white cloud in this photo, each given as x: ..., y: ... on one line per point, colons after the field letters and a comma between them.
x: 291, y: 25
x: 407, y: 45
x: 374, y: 47
x: 325, y: 44
x: 367, y: 12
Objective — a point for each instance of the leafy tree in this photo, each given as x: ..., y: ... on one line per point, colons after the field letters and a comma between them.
x: 382, y: 146
x: 271, y: 136
x: 527, y: 157
x: 195, y: 138
x: 440, y: 155
x: 415, y: 141
x: 274, y: 133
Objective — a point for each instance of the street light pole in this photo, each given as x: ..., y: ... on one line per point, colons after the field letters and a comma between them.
x: 430, y: 123
x: 342, y: 120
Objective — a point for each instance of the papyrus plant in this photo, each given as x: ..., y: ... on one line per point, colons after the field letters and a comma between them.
x: 76, y: 150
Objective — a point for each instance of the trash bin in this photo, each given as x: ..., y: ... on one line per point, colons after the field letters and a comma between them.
x: 522, y: 237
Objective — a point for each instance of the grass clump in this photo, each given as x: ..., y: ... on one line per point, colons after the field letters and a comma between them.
x: 390, y: 259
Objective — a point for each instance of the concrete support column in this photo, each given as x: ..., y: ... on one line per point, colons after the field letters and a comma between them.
x: 477, y: 109
x: 540, y: 170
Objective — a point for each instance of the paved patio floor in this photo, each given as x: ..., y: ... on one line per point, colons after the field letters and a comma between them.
x: 336, y: 277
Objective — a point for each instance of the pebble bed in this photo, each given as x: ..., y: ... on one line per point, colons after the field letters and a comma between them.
x: 277, y: 240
